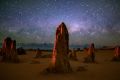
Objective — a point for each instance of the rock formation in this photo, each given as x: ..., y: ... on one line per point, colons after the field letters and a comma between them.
x: 60, y: 60
x: 117, y: 54
x: 73, y: 55
x: 38, y: 53
x: 91, y: 54
x: 9, y: 50
x: 21, y: 51
x: 14, y: 52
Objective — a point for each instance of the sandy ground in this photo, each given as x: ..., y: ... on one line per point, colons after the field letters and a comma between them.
x: 32, y: 69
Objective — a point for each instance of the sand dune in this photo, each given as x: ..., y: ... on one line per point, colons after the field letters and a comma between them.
x: 33, y: 69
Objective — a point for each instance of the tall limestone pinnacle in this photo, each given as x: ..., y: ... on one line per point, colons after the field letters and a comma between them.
x: 60, y: 60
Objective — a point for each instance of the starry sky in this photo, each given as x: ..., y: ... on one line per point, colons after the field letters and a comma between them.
x: 35, y: 21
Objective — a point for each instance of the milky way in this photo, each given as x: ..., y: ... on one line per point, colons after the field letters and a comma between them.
x: 35, y: 21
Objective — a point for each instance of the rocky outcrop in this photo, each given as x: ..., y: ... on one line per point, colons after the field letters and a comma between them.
x: 38, y: 54
x: 60, y: 60
x: 90, y: 54
x: 21, y: 51
x: 116, y: 54
x: 9, y: 50
x: 73, y: 55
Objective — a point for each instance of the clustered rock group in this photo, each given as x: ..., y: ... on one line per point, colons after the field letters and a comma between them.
x: 60, y: 56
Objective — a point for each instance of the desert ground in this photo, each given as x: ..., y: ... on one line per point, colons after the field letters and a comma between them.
x: 31, y: 68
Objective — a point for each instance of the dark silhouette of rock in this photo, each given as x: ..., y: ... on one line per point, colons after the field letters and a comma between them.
x: 9, y: 50
x: 21, y: 51
x: 1, y: 52
x: 91, y: 54
x: 60, y: 61
x: 73, y: 55
x: 38, y: 54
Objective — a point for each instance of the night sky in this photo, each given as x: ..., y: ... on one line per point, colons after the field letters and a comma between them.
x: 35, y: 21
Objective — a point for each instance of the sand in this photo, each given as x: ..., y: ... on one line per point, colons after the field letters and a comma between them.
x: 33, y: 69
